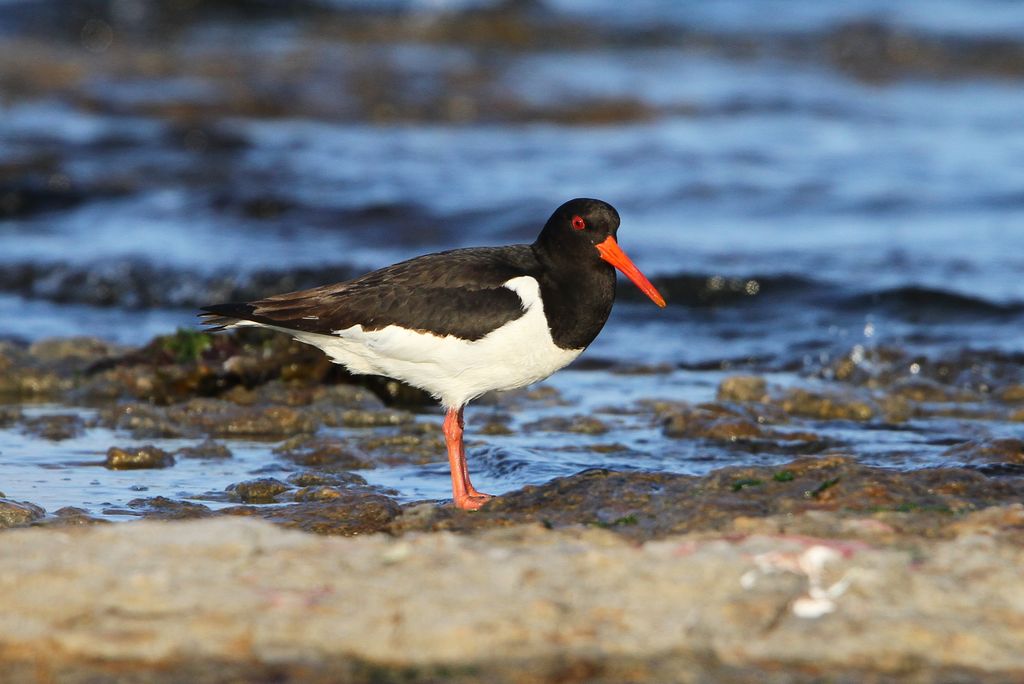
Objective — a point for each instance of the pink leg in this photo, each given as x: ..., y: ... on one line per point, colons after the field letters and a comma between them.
x: 465, y: 495
x: 470, y: 489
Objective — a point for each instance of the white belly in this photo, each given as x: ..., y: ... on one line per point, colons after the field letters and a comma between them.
x: 451, y: 369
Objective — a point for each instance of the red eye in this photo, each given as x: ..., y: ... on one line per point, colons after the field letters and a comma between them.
x: 578, y: 223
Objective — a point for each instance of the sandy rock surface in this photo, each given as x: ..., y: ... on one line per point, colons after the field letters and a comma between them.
x: 240, y: 599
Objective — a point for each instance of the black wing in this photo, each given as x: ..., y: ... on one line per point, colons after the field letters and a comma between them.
x: 450, y: 293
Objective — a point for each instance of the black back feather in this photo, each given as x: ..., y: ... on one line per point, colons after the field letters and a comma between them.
x: 458, y: 293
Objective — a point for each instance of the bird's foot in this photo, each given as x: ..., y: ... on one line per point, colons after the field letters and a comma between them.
x: 472, y: 501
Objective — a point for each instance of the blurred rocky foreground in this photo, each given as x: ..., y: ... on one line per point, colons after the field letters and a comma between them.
x: 243, y: 600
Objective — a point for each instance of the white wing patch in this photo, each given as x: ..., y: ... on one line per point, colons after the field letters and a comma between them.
x: 454, y: 370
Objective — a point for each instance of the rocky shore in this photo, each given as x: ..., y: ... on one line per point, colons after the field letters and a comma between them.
x: 816, y: 567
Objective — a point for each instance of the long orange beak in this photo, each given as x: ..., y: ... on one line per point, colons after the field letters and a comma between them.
x: 613, y: 254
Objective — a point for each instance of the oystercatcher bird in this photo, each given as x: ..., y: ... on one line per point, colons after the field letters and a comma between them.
x: 466, y: 321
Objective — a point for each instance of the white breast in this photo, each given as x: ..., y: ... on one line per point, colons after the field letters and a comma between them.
x: 454, y: 370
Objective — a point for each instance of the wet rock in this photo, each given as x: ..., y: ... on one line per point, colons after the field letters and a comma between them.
x: 350, y: 513
x: 27, y: 198
x: 1013, y: 394
x: 273, y: 392
x: 163, y: 508
x: 55, y: 427
x: 135, y: 458
x: 896, y: 409
x: 986, y: 452
x: 545, y: 394
x: 184, y: 347
x: 586, y: 425
x: 266, y: 207
x: 642, y: 369
x: 188, y: 364
x: 71, y: 516
x: 319, y: 493
x: 418, y: 443
x: 874, y: 367
x: 968, y: 375
x: 743, y: 388
x: 874, y: 51
x: 721, y: 424
x: 652, y: 505
x: 159, y: 384
x: 610, y: 448
x: 223, y: 419
x: 825, y: 406
x: 293, y: 363
x: 591, y: 497
x: 348, y: 396
x: 24, y: 377
x: 320, y: 451
x: 310, y: 478
x: 705, y: 425
x: 927, y: 390
x: 207, y: 449
x: 261, y: 490
x: 493, y: 427
x: 74, y: 354
x: 960, y: 411
x: 358, y: 418
x: 514, y: 400
x: 170, y: 383
x: 143, y: 421
x: 17, y: 513
x: 112, y: 384
x: 324, y: 397
x: 662, y: 409
x: 395, y: 393
x: 9, y: 415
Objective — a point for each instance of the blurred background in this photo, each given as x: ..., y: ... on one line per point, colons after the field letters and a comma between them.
x: 829, y: 195
x: 799, y: 177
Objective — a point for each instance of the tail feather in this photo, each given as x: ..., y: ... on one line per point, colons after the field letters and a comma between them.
x: 223, y: 316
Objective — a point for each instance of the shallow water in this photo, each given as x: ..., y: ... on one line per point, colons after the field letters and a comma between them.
x: 801, y: 197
